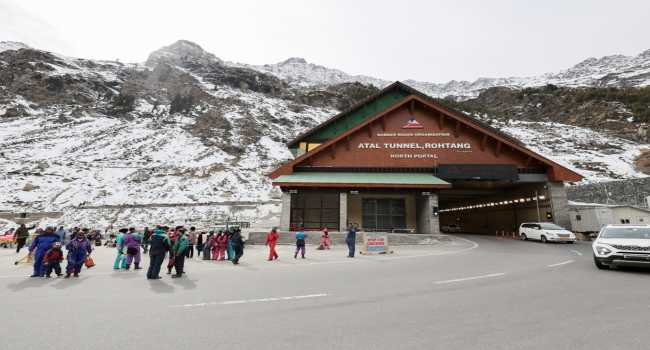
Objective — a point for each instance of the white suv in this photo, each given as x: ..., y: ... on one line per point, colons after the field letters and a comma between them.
x: 545, y: 232
x: 622, y: 245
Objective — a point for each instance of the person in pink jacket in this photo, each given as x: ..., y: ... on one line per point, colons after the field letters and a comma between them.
x: 222, y: 243
x: 325, y: 242
x: 214, y: 244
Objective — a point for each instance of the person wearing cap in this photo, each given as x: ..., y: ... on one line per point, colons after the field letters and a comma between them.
x: 52, y: 260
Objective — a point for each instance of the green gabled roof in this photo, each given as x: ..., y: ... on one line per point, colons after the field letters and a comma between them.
x: 352, y: 117
x: 382, y: 100
x: 404, y: 179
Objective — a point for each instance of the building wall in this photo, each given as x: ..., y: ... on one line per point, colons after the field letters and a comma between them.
x: 427, y: 223
x: 635, y: 216
x: 355, y: 153
x: 354, y: 207
x: 559, y: 203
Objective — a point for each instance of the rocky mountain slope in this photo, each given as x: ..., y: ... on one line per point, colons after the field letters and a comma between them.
x: 187, y: 134
x: 608, y: 71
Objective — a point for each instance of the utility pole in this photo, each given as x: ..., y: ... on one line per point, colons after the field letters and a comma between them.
x: 539, y: 216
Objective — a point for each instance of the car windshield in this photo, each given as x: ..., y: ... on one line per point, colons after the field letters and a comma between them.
x: 627, y: 232
x: 548, y: 226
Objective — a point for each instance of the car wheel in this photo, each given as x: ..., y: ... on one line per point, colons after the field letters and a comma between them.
x: 543, y: 239
x: 570, y: 242
x: 523, y: 237
x: 600, y: 265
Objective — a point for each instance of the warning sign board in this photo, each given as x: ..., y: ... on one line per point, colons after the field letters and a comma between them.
x: 375, y: 243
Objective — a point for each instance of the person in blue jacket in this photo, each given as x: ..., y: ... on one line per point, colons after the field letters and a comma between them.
x: 41, y: 244
x: 300, y: 243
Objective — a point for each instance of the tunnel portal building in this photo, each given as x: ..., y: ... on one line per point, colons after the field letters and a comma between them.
x: 401, y: 161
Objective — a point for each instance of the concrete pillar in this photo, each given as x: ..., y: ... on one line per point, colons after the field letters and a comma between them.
x: 427, y: 222
x: 343, y: 211
x: 559, y: 203
x: 285, y: 214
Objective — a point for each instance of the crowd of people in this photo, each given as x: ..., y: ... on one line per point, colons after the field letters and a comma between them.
x: 174, y: 244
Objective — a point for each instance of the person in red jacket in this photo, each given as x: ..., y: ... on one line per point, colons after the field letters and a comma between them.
x: 271, y: 241
x: 52, y: 260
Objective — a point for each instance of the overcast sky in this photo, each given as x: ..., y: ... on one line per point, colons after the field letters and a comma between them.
x: 397, y: 40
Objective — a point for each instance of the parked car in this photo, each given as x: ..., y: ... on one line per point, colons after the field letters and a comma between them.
x: 451, y: 228
x: 545, y: 232
x: 622, y: 245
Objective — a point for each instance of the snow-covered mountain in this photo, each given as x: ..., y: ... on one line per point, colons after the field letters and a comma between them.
x: 186, y: 135
x: 616, y: 70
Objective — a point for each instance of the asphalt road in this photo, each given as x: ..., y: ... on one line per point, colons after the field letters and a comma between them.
x: 491, y: 294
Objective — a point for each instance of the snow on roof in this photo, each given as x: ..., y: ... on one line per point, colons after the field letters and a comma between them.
x: 583, y: 205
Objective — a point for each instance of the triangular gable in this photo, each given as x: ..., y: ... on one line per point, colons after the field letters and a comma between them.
x: 363, y: 110
x: 459, y: 123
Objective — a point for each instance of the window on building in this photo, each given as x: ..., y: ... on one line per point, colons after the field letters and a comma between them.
x: 383, y: 214
x: 625, y: 221
x: 578, y: 217
x: 314, y: 211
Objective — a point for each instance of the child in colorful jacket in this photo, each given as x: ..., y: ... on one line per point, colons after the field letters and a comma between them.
x: 325, y: 242
x: 52, y: 260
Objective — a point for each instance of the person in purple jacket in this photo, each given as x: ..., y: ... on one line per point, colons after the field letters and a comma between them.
x: 78, y: 249
x: 132, y: 243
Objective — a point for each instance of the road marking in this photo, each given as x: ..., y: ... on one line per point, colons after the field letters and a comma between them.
x: 250, y: 301
x: 560, y: 263
x: 577, y: 252
x: 471, y: 278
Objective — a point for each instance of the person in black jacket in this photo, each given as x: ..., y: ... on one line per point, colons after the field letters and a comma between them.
x: 350, y: 240
x: 22, y: 233
x: 146, y: 238
x: 160, y: 244
x: 237, y: 245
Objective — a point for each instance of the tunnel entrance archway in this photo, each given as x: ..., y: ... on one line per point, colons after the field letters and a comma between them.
x: 488, y: 207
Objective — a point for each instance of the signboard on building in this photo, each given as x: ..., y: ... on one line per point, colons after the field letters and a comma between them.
x: 478, y: 172
x: 375, y: 242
